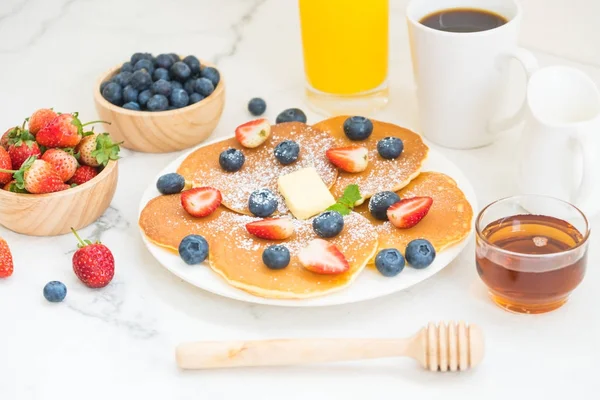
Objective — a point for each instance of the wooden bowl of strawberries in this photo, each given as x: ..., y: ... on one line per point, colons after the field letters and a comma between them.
x: 55, y: 174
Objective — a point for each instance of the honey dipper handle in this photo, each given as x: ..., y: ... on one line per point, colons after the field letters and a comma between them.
x: 211, y: 355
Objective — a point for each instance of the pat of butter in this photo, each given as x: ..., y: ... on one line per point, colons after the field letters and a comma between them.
x: 305, y: 193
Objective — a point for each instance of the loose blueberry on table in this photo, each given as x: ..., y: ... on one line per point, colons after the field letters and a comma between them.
x: 180, y: 83
x: 328, y: 224
x: 276, y: 256
x: 257, y: 106
x: 389, y: 262
x: 420, y: 253
x: 380, y: 202
x: 291, y: 115
x: 358, y: 128
x: 193, y: 249
x: 170, y: 183
x: 55, y: 291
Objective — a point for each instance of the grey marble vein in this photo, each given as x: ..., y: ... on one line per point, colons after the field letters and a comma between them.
x: 42, y: 27
x: 237, y: 27
x: 15, y: 10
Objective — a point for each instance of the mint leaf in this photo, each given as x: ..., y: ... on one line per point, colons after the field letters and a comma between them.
x: 342, y: 209
x: 345, y: 204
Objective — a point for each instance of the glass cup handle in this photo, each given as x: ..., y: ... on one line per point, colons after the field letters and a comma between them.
x: 530, y: 65
x: 583, y: 195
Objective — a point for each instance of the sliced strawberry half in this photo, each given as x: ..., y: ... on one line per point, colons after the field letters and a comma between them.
x: 254, y: 133
x: 323, y: 257
x: 201, y: 201
x: 271, y: 228
x: 350, y: 158
x: 408, y: 212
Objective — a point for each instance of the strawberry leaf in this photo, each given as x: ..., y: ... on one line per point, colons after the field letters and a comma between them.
x: 19, y: 176
x: 13, y: 187
x: 106, y: 150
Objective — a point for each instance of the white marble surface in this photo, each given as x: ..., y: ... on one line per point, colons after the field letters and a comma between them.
x: 118, y: 342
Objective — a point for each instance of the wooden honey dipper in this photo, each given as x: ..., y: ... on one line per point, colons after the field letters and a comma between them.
x: 438, y: 348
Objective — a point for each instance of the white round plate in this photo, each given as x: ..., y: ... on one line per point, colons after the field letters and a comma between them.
x: 368, y: 285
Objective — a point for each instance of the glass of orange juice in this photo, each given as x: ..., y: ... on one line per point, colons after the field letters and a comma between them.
x: 345, y: 46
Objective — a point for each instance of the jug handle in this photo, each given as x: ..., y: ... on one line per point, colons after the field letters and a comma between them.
x: 582, y: 195
x: 530, y: 65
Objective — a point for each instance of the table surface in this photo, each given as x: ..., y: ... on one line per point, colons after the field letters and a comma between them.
x: 119, y: 341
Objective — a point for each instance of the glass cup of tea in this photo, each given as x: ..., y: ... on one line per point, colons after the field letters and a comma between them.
x: 345, y: 48
x: 531, y: 252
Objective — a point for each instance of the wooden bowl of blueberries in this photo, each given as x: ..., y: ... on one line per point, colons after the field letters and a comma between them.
x: 161, y: 104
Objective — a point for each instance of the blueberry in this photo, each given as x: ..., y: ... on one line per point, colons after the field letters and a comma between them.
x: 175, y: 57
x: 127, y: 67
x: 257, y: 106
x: 123, y: 78
x: 276, y: 256
x: 164, y: 61
x: 140, y: 56
x: 193, y: 249
x: 143, y: 97
x: 328, y: 224
x: 141, y: 80
x: 231, y: 160
x: 176, y: 85
x: 180, y: 71
x: 130, y: 94
x: 190, y: 86
x: 132, y: 105
x: 158, y: 102
x: 103, y: 85
x: 144, y: 64
x: 212, y: 74
x: 291, y: 114
x: 196, y: 97
x: 380, y: 202
x: 170, y: 183
x: 419, y: 253
x: 204, y: 87
x: 287, y: 152
x: 161, y: 87
x: 262, y: 203
x: 193, y: 63
x: 389, y: 262
x: 358, y: 128
x: 179, y: 98
x: 55, y: 291
x: 390, y: 147
x: 113, y: 93
x: 161, y: 73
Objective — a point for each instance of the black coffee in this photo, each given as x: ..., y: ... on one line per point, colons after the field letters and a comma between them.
x: 463, y: 20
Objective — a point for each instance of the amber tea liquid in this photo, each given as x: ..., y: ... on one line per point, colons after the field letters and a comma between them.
x: 541, y: 272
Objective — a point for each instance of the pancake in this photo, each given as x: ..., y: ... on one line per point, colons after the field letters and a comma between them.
x: 261, y: 169
x: 237, y: 256
x: 447, y: 222
x: 381, y: 174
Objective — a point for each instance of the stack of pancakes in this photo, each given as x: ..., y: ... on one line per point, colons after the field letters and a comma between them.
x: 237, y: 256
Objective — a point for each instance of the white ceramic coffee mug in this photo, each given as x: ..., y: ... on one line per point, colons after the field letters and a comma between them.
x: 560, y: 144
x: 461, y: 77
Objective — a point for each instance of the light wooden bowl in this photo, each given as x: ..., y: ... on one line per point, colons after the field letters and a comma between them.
x: 55, y: 213
x: 161, y: 131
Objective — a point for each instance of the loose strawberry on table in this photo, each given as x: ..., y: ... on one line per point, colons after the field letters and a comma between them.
x: 83, y: 174
x: 97, y: 149
x: 93, y: 263
x: 6, y: 260
x: 63, y: 162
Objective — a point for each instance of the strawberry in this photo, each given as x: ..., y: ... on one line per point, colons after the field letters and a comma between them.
x: 6, y: 260
x: 4, y: 141
x: 408, y: 212
x: 271, y: 228
x: 93, y: 263
x: 40, y: 118
x: 64, y: 163
x: 97, y: 149
x: 5, y: 163
x: 65, y: 130
x: 37, y: 177
x: 22, y: 145
x: 350, y: 158
x: 83, y: 174
x: 254, y: 133
x: 323, y: 257
x: 201, y: 201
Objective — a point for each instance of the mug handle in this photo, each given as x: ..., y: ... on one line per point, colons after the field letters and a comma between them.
x: 583, y: 195
x: 530, y: 65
